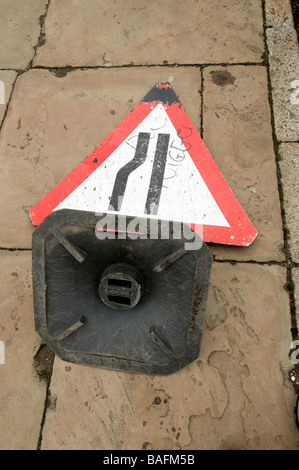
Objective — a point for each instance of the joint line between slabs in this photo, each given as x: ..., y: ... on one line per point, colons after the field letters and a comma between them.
x: 14, y: 249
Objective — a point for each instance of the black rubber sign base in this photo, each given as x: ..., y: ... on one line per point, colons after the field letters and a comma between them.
x: 122, y: 302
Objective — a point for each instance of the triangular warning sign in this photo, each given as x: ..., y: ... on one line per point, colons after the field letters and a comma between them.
x: 154, y: 164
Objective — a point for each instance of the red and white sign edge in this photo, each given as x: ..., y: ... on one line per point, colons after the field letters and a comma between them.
x: 194, y: 191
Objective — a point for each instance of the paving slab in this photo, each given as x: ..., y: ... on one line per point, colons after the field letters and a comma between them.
x: 145, y: 33
x: 22, y: 391
x: 237, y: 131
x: 7, y: 79
x: 19, y: 32
x: 284, y: 72
x: 278, y: 13
x: 289, y: 169
x: 235, y: 396
x: 53, y: 123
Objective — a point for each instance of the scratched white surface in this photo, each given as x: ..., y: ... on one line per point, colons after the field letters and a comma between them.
x: 184, y: 197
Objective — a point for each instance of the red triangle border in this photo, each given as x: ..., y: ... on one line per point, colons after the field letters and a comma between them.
x: 241, y: 231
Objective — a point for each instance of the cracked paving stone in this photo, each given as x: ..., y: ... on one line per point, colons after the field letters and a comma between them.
x: 19, y: 31
x: 236, y: 395
x: 238, y: 133
x: 191, y: 32
x: 22, y: 393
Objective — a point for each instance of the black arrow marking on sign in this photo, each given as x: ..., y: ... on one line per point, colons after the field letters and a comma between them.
x: 155, y: 187
x: 122, y: 176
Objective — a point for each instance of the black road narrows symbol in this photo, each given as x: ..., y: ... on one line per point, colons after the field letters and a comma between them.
x: 156, y: 182
x: 122, y: 176
x: 155, y: 187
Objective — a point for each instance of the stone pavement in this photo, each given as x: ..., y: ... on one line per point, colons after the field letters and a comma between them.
x: 71, y: 72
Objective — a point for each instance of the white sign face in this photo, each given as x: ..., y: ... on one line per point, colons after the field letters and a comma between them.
x: 151, y: 174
